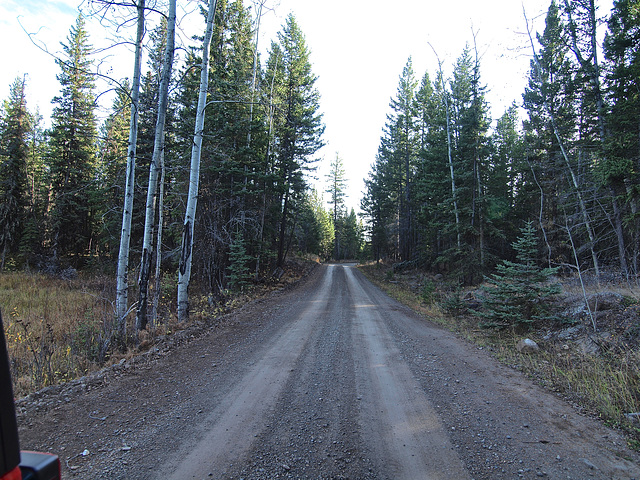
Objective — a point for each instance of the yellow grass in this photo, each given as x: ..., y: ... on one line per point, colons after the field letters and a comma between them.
x: 54, y: 327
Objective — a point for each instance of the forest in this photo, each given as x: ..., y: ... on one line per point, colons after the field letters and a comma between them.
x: 451, y: 189
x: 201, y: 171
x: 119, y: 196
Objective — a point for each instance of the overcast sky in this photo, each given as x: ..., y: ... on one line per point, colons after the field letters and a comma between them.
x: 358, y: 49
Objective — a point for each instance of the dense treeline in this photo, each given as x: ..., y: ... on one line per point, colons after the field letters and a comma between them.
x: 450, y: 189
x: 63, y: 188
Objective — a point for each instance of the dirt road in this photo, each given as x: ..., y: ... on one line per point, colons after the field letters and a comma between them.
x: 330, y: 380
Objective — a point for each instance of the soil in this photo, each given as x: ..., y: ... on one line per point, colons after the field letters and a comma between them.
x: 330, y: 379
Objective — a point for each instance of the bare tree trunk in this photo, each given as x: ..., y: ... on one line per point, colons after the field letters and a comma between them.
x: 194, y: 178
x: 592, y: 67
x: 268, y: 155
x: 574, y: 179
x: 283, y: 230
x: 158, y: 279
x: 122, y: 281
x: 453, y: 180
x: 158, y: 147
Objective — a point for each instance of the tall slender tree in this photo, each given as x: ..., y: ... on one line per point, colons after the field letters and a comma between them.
x: 154, y: 169
x: 72, y: 147
x: 298, y: 124
x: 122, y: 281
x: 194, y: 178
x: 401, y: 128
x: 336, y: 184
x: 15, y: 125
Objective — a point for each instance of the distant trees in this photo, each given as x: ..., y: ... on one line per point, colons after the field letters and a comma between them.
x: 336, y: 185
x: 448, y: 190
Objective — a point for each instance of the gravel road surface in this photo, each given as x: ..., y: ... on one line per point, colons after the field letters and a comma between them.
x: 329, y: 380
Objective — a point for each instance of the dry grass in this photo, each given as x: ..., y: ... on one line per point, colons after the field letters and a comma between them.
x: 605, y: 384
x: 58, y: 330
x: 54, y: 327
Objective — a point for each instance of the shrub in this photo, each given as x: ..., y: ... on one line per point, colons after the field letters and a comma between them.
x: 518, y: 294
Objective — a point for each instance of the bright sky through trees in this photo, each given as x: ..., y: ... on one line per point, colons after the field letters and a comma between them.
x: 358, y: 49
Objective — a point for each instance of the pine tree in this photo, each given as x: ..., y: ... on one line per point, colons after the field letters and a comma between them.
x: 351, y: 236
x: 509, y: 188
x: 72, y: 147
x: 15, y: 127
x: 111, y: 171
x: 336, y: 183
x: 232, y: 175
x: 314, y: 229
x: 437, y: 232
x: 38, y: 186
x: 621, y: 170
x: 518, y: 294
x: 298, y: 125
x: 239, y: 275
x: 551, y: 100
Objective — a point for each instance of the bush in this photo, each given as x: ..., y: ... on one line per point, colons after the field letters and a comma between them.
x: 518, y: 294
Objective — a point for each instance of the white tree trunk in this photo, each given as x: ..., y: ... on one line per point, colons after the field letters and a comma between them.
x: 158, y: 147
x: 186, y: 256
x: 268, y: 155
x: 122, y: 282
x: 158, y: 279
x: 450, y: 159
x: 574, y: 178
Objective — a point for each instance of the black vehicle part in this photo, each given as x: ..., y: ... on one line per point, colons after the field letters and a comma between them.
x: 9, y: 446
x: 39, y: 466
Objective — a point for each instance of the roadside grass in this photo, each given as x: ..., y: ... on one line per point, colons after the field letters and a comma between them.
x: 58, y: 330
x: 605, y: 384
x: 53, y: 326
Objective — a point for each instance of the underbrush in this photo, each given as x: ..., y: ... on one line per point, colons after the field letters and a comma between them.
x: 598, y: 372
x: 60, y: 329
x: 55, y: 328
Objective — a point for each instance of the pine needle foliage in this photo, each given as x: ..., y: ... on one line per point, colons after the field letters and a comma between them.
x: 239, y: 276
x: 518, y: 293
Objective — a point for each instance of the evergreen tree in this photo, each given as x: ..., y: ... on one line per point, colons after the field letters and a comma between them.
x: 377, y: 209
x: 433, y: 182
x: 470, y: 125
x: 351, y: 236
x: 111, y: 170
x: 336, y: 183
x: 297, y: 125
x: 15, y: 126
x: 621, y: 168
x: 518, y: 294
x: 550, y: 127
x: 233, y: 167
x: 509, y: 188
x: 239, y: 275
x: 402, y: 128
x: 314, y: 229
x: 72, y: 147
x: 552, y: 101
x: 37, y: 200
